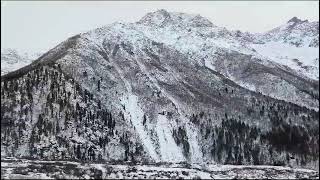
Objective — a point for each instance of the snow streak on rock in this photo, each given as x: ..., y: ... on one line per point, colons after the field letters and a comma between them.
x: 135, y: 114
x: 170, y: 152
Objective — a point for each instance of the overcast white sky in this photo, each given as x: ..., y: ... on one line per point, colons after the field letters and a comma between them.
x: 39, y: 26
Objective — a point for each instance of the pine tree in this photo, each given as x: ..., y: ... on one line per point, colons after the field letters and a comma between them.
x: 144, y: 119
x: 98, y: 85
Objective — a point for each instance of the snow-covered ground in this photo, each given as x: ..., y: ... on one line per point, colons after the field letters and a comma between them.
x: 12, y: 168
x: 168, y: 147
x: 302, y: 59
x: 136, y: 114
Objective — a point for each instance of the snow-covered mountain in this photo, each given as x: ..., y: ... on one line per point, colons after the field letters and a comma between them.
x: 171, y: 87
x: 294, y: 44
x: 12, y: 60
x: 296, y: 32
x: 211, y: 46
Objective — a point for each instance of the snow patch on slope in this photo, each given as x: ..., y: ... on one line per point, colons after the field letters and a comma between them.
x: 194, y: 145
x: 285, y: 54
x: 170, y: 152
x: 136, y: 115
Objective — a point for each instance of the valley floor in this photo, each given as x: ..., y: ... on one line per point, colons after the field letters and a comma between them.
x: 12, y: 168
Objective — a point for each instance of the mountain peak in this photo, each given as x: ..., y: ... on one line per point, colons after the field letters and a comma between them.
x: 158, y: 18
x: 163, y: 18
x: 8, y: 51
x: 162, y: 11
x: 296, y: 20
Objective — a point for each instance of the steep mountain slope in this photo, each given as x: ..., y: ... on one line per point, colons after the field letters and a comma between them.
x: 218, y: 49
x: 12, y: 60
x: 118, y: 93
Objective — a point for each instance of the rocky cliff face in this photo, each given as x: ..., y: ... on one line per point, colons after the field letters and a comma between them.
x: 131, y: 92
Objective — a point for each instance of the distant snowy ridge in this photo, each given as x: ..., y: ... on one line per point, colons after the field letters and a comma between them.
x: 12, y: 60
